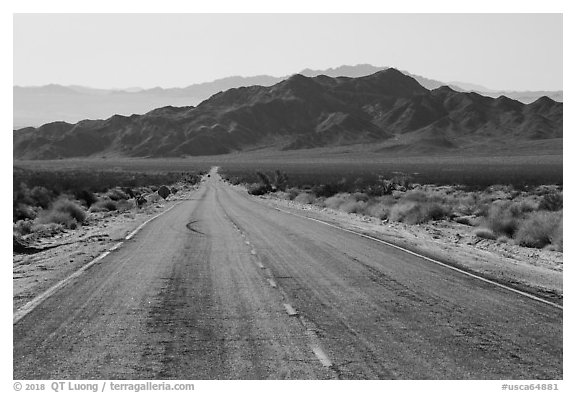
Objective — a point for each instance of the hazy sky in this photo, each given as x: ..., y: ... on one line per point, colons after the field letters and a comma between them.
x: 499, y: 51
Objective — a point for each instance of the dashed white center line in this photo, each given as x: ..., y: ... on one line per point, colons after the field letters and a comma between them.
x: 290, y: 310
x: 321, y: 356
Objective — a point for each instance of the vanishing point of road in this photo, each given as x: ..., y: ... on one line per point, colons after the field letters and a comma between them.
x: 223, y: 286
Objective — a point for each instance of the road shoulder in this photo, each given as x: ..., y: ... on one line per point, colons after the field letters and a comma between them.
x: 525, y: 270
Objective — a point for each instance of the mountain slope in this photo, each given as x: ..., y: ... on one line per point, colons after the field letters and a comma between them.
x: 34, y: 106
x: 387, y: 108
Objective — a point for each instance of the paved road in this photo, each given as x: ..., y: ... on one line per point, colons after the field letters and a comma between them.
x: 210, y: 289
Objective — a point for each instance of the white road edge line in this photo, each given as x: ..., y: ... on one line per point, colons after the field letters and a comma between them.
x: 118, y: 245
x: 517, y: 291
x: 135, y: 231
x: 32, y: 304
x: 290, y: 310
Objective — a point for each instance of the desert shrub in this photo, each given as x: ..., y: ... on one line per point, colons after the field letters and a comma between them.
x: 378, y: 210
x: 292, y: 193
x: 417, y: 212
x: 280, y: 180
x: 282, y: 195
x: 484, y: 233
x: 360, y: 196
x: 64, y: 212
x: 335, y: 201
x: 85, y: 196
x: 264, y: 180
x: 503, y: 239
x: 74, y: 210
x: 415, y: 196
x: 402, y: 180
x: 104, y: 205
x: 124, y: 205
x: 23, y: 227
x: 326, y: 190
x: 551, y: 201
x: 538, y: 229
x: 41, y: 196
x: 353, y: 206
x: 116, y: 194
x: 57, y: 217
x: 435, y: 211
x: 517, y: 209
x: 557, y: 236
x: 22, y: 211
x: 501, y: 220
x: 305, y: 198
x: 258, y: 189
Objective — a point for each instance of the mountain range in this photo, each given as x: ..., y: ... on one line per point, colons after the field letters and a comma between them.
x: 34, y: 106
x: 388, y: 110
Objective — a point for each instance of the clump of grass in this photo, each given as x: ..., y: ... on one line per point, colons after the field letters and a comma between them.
x: 539, y: 229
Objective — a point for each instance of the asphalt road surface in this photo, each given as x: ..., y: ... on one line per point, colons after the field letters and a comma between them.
x: 225, y: 287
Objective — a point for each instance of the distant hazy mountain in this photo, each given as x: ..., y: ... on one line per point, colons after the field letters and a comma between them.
x: 34, y: 106
x: 387, y: 109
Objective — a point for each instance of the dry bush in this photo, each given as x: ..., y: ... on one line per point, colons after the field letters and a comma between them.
x: 501, y: 220
x: 64, y: 212
x: 417, y: 212
x: 124, y: 205
x: 104, y: 205
x: 258, y: 189
x: 378, y: 210
x: 551, y: 201
x: 539, y: 229
x: 292, y: 193
x: 305, y: 198
x: 23, y: 227
x: 353, y: 206
x: 117, y: 194
x: 484, y: 233
x: 557, y: 236
x: 335, y: 201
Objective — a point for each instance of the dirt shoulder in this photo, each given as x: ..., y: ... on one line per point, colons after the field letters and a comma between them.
x: 535, y: 271
x: 66, y: 252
